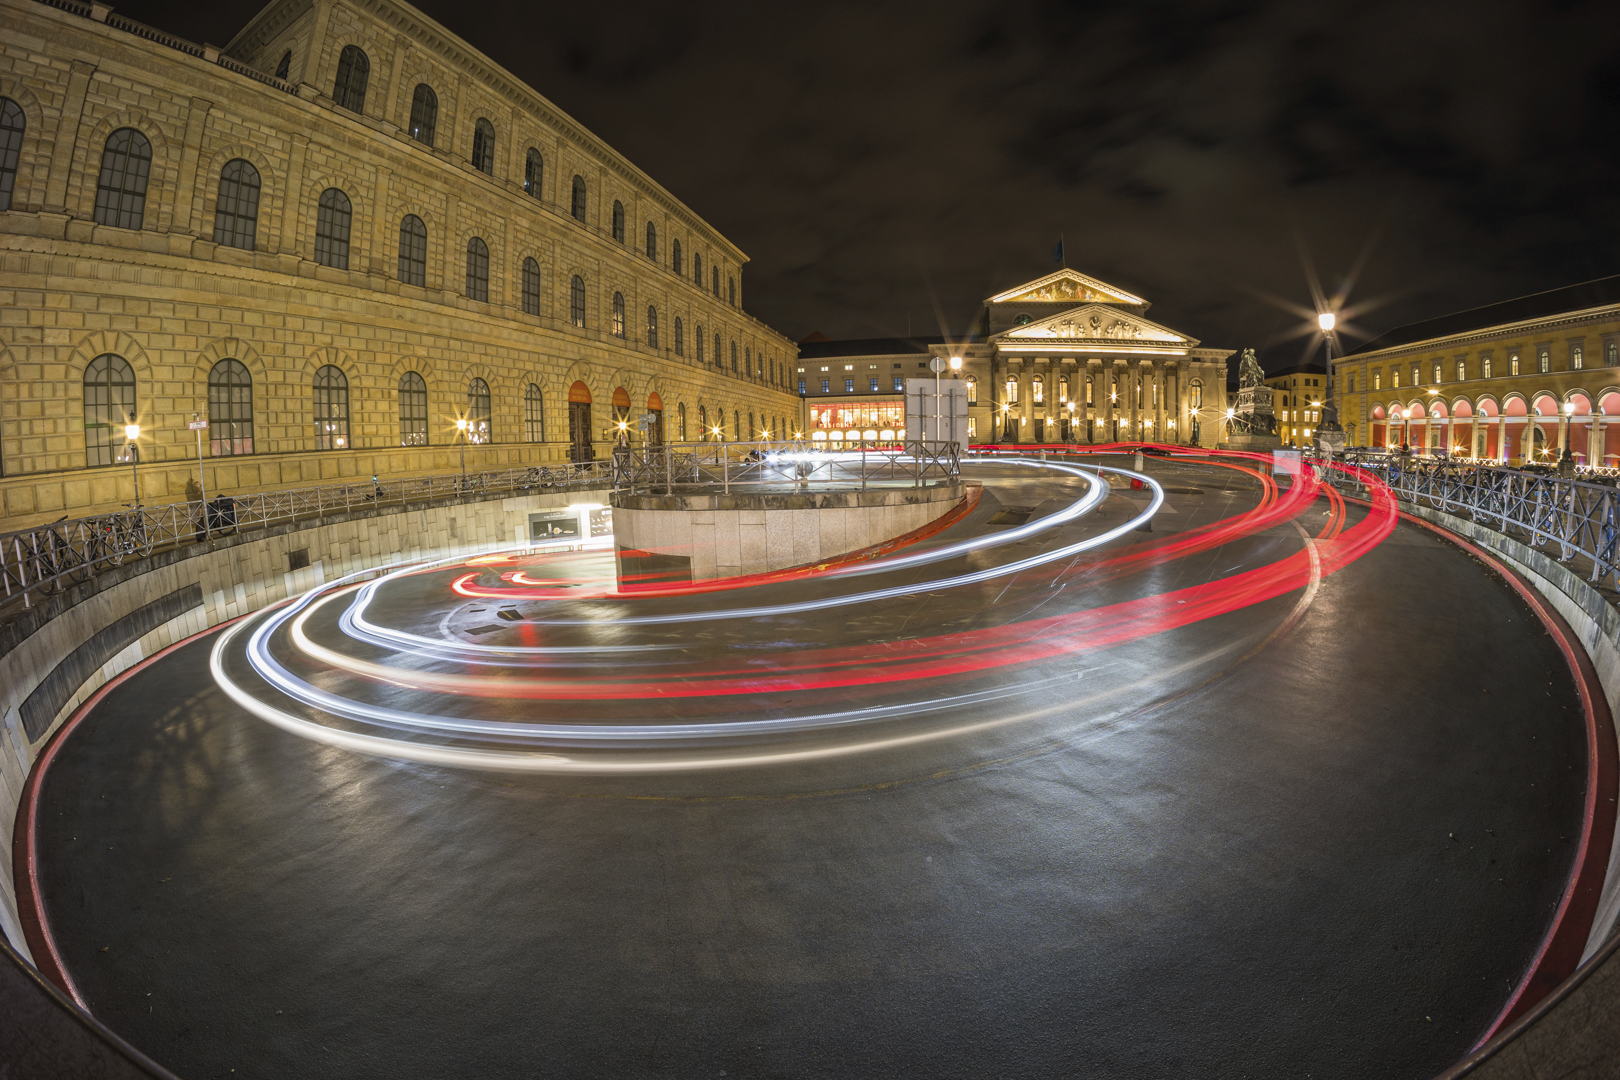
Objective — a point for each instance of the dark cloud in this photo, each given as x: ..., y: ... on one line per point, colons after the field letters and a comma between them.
x: 890, y: 161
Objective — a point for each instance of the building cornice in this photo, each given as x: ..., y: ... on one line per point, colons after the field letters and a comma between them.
x: 459, y: 54
x: 1528, y: 327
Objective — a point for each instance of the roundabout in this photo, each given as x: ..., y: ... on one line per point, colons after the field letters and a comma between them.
x: 1183, y: 772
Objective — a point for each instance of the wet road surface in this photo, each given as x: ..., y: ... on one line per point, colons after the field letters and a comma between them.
x: 1214, y: 851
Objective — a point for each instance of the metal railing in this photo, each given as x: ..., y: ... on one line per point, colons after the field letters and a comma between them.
x: 39, y: 561
x: 694, y: 468
x: 1577, y: 516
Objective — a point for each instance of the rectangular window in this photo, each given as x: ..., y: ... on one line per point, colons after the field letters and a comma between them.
x: 1577, y: 358
x: 874, y: 384
x: 1485, y: 366
x: 973, y: 427
x: 825, y: 387
x: 801, y: 386
x: 1395, y: 377
x: 1513, y: 364
x: 1417, y: 373
x: 849, y: 386
x: 1462, y: 370
x: 1352, y: 384
x: 899, y: 384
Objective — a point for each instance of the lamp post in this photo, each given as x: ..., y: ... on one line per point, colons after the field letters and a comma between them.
x: 132, y: 433
x: 1329, y: 435
x: 956, y: 370
x: 461, y: 431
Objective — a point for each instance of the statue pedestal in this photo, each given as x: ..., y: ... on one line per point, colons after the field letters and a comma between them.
x: 1262, y: 444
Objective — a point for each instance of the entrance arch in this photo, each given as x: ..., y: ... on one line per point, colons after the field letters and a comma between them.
x: 579, y: 423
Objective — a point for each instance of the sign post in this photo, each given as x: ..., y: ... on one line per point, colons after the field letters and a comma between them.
x: 199, y: 425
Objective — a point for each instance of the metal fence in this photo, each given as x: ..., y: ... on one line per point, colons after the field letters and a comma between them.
x: 1576, y: 516
x: 39, y: 561
x: 695, y: 468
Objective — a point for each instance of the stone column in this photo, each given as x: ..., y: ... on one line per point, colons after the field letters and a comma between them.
x: 67, y: 136
x: 1133, y: 384
x: 1026, y: 406
x: 1501, y: 436
x: 1563, y: 433
x: 390, y: 111
x: 180, y: 217
x: 1105, y: 387
x: 994, y: 434
x: 1159, y: 389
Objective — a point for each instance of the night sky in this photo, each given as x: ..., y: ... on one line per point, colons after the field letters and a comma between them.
x: 889, y: 165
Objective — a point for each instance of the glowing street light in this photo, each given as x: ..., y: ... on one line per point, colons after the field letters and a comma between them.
x: 132, y: 433
x: 1327, y: 320
x: 461, y: 430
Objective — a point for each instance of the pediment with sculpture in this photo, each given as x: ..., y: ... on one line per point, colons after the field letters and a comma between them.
x: 1095, y: 323
x: 1066, y: 286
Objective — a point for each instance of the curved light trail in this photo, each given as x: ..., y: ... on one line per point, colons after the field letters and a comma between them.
x: 535, y: 677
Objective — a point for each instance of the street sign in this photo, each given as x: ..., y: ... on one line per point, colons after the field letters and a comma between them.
x: 198, y: 425
x: 938, y: 364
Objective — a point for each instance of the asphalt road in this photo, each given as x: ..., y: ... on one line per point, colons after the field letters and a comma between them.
x: 1217, y: 852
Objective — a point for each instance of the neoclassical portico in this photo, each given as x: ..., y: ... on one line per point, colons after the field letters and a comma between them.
x: 1070, y: 359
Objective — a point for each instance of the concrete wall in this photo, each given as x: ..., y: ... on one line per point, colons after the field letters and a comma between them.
x: 727, y: 535
x: 56, y: 656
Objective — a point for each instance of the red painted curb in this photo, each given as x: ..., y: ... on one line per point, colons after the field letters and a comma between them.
x: 1560, y: 952
x: 36, y: 924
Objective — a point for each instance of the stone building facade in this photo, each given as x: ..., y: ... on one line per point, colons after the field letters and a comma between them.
x: 1062, y: 359
x: 1517, y: 381
x: 333, y: 238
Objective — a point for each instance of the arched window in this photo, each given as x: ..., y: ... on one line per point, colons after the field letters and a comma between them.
x: 1197, y: 394
x: 1462, y: 369
x: 424, y: 114
x: 1037, y: 390
x: 236, y: 212
x: 1012, y: 391
x: 652, y: 241
x: 618, y: 315
x: 577, y: 204
x: 652, y: 326
x: 483, y: 152
x: 534, y: 171
x: 12, y: 126
x: 283, y: 68
x: 675, y: 257
x: 714, y: 272
x: 230, y: 409
x: 332, y: 220
x: 579, y: 423
x: 703, y: 423
x: 731, y: 291
x: 412, y: 251
x: 531, y: 286
x: 413, y: 429
x: 618, y: 221
x: 719, y: 360
x: 109, y: 404
x: 1484, y: 372
x: 126, y: 164
x: 697, y: 340
x: 477, y: 270
x: 680, y: 422
x: 534, y: 415
x: 680, y: 343
x: 697, y: 270
x: 1611, y: 354
x: 734, y: 358
x: 736, y: 425
x: 331, y: 409
x: 353, y: 70
x: 576, y: 301
x: 478, y: 411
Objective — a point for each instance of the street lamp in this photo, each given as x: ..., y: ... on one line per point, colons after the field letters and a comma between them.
x: 1327, y: 421
x: 132, y: 432
x: 461, y: 429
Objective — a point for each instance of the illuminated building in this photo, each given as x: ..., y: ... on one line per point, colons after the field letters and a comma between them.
x: 1297, y: 402
x: 1514, y: 381
x: 331, y: 239
x: 1064, y: 358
